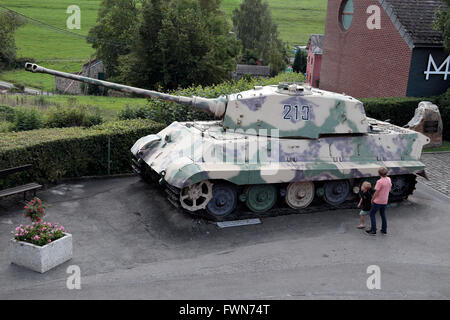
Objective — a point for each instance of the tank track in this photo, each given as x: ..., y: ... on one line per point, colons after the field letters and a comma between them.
x: 281, y: 209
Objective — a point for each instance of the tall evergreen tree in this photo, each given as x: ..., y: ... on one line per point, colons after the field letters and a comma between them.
x: 443, y: 22
x: 179, y: 43
x: 143, y: 65
x: 8, y: 25
x: 301, y: 61
x: 113, y: 33
x: 259, y: 34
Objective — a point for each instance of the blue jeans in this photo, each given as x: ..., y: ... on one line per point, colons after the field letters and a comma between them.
x: 373, y: 219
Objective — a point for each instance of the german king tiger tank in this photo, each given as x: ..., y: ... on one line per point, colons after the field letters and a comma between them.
x: 287, y: 145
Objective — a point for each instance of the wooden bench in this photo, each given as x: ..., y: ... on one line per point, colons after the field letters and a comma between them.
x: 19, y: 189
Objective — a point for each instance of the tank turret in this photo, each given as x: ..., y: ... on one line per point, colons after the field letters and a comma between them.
x: 285, y: 111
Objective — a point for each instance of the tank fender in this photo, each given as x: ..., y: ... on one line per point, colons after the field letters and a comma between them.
x: 144, y: 143
x: 184, y: 172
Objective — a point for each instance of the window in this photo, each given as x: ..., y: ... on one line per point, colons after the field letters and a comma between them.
x: 347, y: 11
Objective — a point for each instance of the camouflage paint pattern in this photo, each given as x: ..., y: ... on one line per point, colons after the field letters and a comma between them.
x: 187, y: 153
x: 296, y: 111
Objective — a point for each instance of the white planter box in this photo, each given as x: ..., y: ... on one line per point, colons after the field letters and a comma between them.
x: 41, y: 259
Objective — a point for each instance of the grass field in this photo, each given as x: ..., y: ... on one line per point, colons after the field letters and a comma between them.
x: 109, y: 106
x: 296, y: 19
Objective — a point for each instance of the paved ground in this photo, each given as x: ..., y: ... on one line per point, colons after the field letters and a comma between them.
x: 438, y: 170
x: 130, y: 243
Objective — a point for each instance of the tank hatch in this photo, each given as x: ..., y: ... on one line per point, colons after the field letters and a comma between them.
x: 296, y: 111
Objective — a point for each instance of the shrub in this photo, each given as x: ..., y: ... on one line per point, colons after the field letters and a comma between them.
x: 27, y: 119
x: 7, y: 113
x: 80, y: 116
x: 72, y: 152
x: 35, y: 210
x: 401, y: 110
x: 6, y: 126
x: 141, y: 112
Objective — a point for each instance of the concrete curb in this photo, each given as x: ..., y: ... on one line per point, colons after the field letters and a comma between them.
x: 435, y: 152
x: 112, y: 176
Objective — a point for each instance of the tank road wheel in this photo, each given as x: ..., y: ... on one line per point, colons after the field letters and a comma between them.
x: 197, y: 196
x: 224, y: 201
x: 261, y: 198
x: 335, y: 192
x: 299, y: 195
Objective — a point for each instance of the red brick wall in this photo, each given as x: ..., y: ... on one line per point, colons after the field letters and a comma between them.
x: 317, y: 68
x: 362, y: 62
x: 313, y: 68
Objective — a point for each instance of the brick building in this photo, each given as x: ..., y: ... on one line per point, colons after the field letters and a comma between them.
x: 399, y: 54
x: 314, y: 61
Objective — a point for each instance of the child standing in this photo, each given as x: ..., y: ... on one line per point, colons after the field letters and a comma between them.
x: 365, y: 202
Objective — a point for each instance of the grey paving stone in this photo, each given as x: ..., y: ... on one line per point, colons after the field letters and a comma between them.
x: 438, y: 171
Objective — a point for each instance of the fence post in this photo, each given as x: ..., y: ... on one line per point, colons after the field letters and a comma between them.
x: 109, y: 156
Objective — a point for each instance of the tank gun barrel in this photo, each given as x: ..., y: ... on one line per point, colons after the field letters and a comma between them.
x: 215, y: 107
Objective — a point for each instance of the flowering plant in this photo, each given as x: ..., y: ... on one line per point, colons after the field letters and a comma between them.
x: 39, y: 233
x: 35, y: 210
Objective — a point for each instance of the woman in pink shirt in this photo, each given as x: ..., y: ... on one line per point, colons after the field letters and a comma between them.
x: 380, y: 201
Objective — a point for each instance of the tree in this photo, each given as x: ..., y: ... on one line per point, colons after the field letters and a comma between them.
x: 112, y: 35
x: 179, y: 43
x: 258, y: 34
x: 442, y: 23
x: 142, y: 66
x: 301, y: 61
x: 9, y: 22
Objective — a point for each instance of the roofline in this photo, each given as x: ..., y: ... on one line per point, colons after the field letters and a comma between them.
x: 396, y: 22
x: 401, y: 29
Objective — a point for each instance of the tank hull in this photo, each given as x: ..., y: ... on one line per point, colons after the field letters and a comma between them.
x: 185, y: 154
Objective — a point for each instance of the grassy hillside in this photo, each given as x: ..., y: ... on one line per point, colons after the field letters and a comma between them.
x: 296, y: 19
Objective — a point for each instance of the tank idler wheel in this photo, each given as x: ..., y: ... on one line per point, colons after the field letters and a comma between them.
x: 224, y: 201
x: 197, y: 196
x: 400, y: 186
x: 261, y: 198
x: 299, y: 195
x: 336, y: 192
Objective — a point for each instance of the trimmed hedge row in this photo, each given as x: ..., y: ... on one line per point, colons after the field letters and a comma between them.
x: 401, y: 110
x: 72, y: 152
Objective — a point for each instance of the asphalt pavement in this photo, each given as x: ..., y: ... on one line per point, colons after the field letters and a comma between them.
x: 130, y: 243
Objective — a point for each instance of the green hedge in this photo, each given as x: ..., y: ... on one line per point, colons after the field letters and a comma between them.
x: 401, y: 110
x: 72, y: 152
